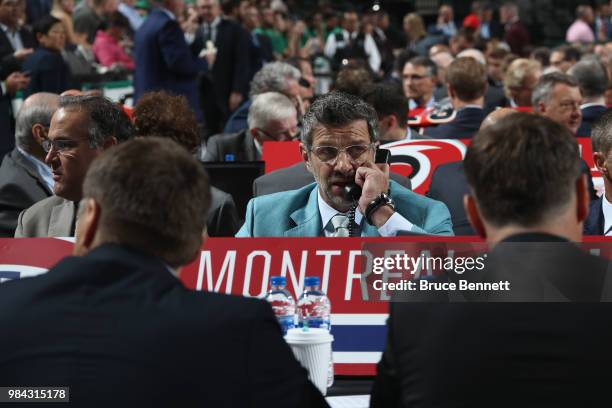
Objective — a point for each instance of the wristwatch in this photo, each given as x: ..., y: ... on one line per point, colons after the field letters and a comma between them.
x: 375, y: 204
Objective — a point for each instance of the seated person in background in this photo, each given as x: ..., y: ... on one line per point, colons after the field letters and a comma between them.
x: 107, y: 47
x: 521, y: 77
x: 467, y: 84
x: 159, y: 114
x: 81, y: 129
x: 564, y: 57
x: 390, y: 103
x: 419, y: 78
x: 338, y: 145
x: 558, y: 97
x: 592, y: 76
x: 272, y: 77
x: 599, y: 221
x: 48, y: 70
x: 24, y: 177
x: 140, y: 336
x: 272, y: 117
x: 448, y: 183
x: 530, y: 218
x: 62, y: 10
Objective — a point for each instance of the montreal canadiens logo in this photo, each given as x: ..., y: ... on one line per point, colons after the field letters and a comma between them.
x: 417, y: 159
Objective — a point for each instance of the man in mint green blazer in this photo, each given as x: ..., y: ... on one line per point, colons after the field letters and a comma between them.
x: 339, y: 140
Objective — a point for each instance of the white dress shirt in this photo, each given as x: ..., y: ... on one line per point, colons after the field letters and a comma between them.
x: 41, y: 168
x: 607, y: 213
x: 394, y: 224
x: 13, y: 37
x: 369, y: 46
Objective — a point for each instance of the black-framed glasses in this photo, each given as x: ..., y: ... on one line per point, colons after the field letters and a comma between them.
x: 285, y: 136
x: 60, y: 145
x: 329, y: 154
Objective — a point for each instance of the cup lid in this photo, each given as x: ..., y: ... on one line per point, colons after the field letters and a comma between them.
x: 310, y: 336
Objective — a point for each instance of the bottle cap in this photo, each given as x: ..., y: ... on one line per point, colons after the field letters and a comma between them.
x: 278, y: 281
x: 312, y: 281
x: 229, y: 157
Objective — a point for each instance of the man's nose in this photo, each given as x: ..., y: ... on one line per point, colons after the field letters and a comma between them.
x: 344, y: 163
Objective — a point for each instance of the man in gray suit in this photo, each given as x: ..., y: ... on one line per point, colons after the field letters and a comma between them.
x: 81, y: 129
x: 24, y: 177
x: 272, y: 117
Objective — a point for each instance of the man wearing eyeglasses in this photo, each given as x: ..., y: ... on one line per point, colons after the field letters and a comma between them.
x: 81, y: 129
x: 272, y: 118
x: 338, y: 146
x: 558, y: 97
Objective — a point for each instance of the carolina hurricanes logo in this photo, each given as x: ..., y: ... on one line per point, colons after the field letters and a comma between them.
x: 417, y: 159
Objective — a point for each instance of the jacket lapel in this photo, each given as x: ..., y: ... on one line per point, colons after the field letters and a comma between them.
x: 307, y: 219
x: 62, y: 218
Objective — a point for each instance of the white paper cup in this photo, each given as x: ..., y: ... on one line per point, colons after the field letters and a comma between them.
x: 312, y: 348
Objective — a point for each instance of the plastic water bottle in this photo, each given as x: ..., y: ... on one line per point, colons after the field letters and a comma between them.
x: 282, y: 303
x: 314, y: 311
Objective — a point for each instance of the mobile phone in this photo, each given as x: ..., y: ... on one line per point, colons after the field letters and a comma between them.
x: 382, y: 156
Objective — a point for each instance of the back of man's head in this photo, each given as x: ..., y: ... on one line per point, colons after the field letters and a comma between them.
x: 36, y: 109
x: 467, y: 79
x: 273, y: 77
x: 149, y: 194
x: 592, y: 76
x: 523, y: 172
x: 387, y: 99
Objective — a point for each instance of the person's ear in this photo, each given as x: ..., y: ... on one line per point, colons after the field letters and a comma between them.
x: 473, y: 214
x: 601, y: 163
x: 583, y: 198
x: 39, y: 133
x: 451, y: 91
x: 542, y: 107
x: 87, y: 226
x: 305, y: 156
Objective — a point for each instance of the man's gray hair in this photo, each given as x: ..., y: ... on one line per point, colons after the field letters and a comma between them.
x: 545, y: 86
x: 37, y: 109
x: 338, y: 109
x: 269, y: 106
x: 601, y: 134
x: 592, y: 77
x: 273, y: 77
x: 106, y: 119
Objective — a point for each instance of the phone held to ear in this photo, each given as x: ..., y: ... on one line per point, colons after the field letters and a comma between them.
x: 352, y: 191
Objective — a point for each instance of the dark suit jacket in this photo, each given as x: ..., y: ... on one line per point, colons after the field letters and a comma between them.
x: 164, y: 61
x: 240, y: 144
x: 35, y: 9
x: 296, y: 176
x: 119, y: 330
x: 594, y: 224
x: 8, y: 62
x: 504, y: 354
x: 238, y: 119
x: 231, y: 71
x: 20, y: 187
x: 223, y: 219
x: 465, y: 125
x: 7, y: 124
x: 48, y: 72
x: 449, y: 185
x: 589, y: 116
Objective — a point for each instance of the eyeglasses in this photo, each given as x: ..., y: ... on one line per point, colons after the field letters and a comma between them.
x: 415, y: 77
x: 58, y: 145
x: 281, y: 137
x: 329, y: 154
